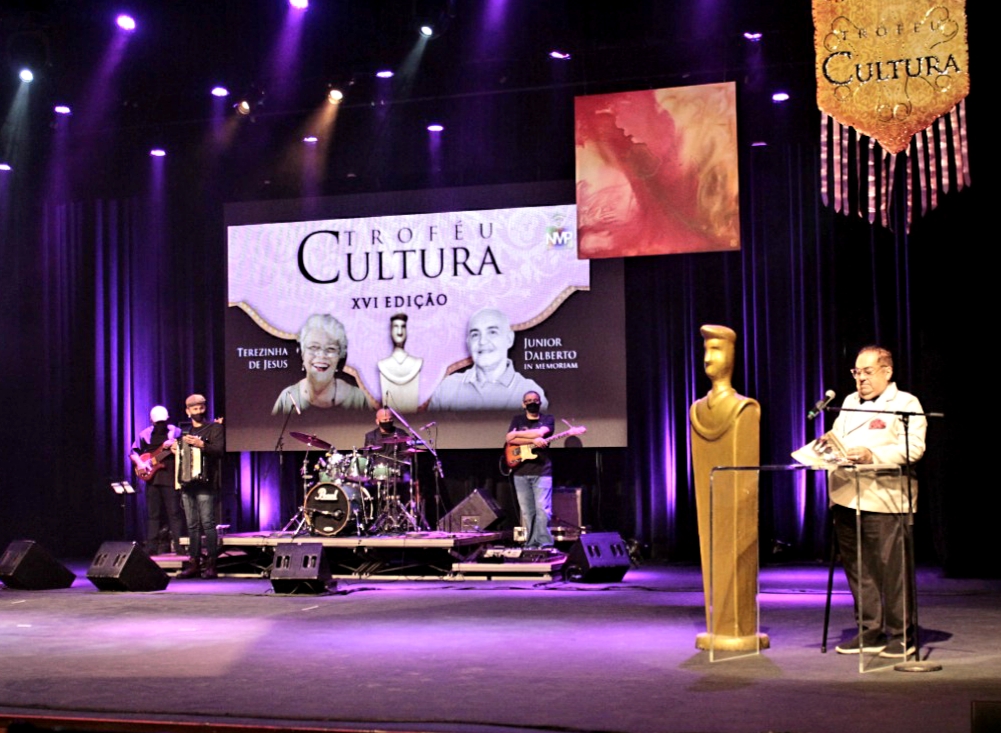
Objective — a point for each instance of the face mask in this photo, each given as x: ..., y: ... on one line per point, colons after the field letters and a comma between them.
x: 386, y: 426
x: 533, y: 408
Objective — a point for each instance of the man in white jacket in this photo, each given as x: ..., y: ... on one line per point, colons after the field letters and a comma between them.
x: 878, y: 585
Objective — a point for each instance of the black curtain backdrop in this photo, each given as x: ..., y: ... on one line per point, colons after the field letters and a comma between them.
x: 119, y: 305
x: 113, y: 297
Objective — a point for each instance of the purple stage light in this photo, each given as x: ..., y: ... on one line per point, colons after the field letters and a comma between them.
x: 435, y: 127
x: 220, y: 92
x: 158, y: 152
x: 780, y: 97
x: 26, y: 76
x: 62, y: 109
x: 384, y: 74
x: 126, y: 22
x: 299, y: 4
x: 759, y: 144
x: 752, y: 37
x: 5, y: 167
x: 559, y: 55
x: 310, y: 139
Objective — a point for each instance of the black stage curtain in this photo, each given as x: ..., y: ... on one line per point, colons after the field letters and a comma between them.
x: 115, y: 304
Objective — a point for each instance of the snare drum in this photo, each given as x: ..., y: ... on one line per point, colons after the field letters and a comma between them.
x: 328, y: 468
x: 332, y: 506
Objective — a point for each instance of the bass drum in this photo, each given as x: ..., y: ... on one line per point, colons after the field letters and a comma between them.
x: 330, y: 507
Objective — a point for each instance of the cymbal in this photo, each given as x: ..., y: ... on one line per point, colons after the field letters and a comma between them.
x: 394, y: 440
x: 311, y: 440
x: 415, y: 450
x: 381, y: 460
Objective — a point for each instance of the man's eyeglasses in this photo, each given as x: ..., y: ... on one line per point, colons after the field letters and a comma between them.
x: 867, y: 371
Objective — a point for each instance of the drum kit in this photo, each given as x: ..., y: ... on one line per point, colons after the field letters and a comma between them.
x: 365, y: 492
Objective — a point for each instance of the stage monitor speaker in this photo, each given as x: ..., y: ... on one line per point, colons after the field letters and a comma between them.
x: 476, y: 513
x: 986, y: 716
x: 300, y: 568
x: 599, y: 557
x: 26, y: 565
x: 123, y: 566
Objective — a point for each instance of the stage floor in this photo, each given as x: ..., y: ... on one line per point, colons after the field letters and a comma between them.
x: 479, y: 656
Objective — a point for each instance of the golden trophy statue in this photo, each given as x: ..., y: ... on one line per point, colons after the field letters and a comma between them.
x: 726, y: 432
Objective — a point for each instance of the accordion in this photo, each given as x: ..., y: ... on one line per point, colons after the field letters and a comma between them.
x: 191, y: 465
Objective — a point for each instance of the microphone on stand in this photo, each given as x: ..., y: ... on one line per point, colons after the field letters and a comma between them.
x: 821, y: 405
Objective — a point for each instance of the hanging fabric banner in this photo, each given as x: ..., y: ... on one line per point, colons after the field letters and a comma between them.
x: 888, y: 70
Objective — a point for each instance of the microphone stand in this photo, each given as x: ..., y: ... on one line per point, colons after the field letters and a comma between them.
x: 418, y: 509
x: 280, y: 449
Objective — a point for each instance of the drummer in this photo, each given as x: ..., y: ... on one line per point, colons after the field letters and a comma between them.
x: 388, y: 445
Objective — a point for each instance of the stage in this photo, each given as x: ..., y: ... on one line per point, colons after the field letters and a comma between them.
x: 378, y: 654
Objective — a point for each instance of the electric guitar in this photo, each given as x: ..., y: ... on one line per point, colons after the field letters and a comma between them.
x: 148, y: 464
x: 514, y: 455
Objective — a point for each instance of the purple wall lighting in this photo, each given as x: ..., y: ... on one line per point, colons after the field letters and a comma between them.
x: 62, y: 109
x: 559, y: 55
x: 158, y: 152
x: 220, y: 92
x: 435, y: 127
x: 298, y: 4
x: 780, y: 97
x: 384, y: 74
x: 126, y: 22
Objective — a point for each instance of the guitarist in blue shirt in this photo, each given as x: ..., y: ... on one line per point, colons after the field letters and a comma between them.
x: 533, y: 474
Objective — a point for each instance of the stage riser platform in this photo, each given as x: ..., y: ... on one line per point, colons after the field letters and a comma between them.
x: 412, y: 556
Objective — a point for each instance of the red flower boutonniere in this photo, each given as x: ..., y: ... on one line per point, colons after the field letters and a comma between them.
x: 877, y: 424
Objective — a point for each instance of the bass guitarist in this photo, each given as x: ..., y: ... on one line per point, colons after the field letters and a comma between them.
x: 533, y: 479
x: 154, y: 463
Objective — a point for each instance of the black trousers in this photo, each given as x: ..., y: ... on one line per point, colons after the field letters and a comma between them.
x: 163, y: 500
x: 878, y: 584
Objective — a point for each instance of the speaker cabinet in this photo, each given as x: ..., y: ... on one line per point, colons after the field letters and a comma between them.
x: 599, y: 557
x: 476, y: 513
x: 123, y: 566
x: 986, y: 716
x: 568, y: 514
x: 300, y: 568
x: 26, y: 565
